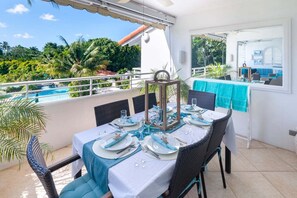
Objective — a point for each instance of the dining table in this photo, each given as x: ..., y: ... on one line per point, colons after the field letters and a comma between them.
x: 139, y: 173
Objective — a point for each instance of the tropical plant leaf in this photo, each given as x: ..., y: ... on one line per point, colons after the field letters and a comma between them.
x: 19, y: 120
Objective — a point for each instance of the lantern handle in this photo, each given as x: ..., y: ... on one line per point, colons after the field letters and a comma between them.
x: 161, y: 71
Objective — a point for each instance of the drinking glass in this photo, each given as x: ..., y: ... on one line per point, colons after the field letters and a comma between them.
x: 194, y: 102
x: 123, y: 116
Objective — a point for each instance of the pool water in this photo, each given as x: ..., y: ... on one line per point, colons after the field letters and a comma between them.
x: 45, y: 95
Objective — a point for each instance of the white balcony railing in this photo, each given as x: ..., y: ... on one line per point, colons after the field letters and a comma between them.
x: 200, y: 71
x: 57, y: 89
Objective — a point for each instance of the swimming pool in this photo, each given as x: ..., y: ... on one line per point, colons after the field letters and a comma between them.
x: 48, y: 94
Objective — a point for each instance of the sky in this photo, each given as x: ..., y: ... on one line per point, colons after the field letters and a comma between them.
x: 34, y: 26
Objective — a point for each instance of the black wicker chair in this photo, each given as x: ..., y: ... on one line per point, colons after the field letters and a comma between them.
x: 108, y: 112
x: 186, y: 174
x: 82, y: 187
x: 205, y: 100
x: 214, y: 147
x: 139, y: 102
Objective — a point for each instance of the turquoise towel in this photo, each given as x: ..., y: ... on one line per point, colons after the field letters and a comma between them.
x: 224, y: 95
x: 240, y: 98
x: 212, y: 87
x: 162, y: 143
x: 115, y: 141
x: 97, y: 167
x: 199, y: 85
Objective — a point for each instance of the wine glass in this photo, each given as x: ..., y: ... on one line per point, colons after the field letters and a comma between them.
x: 194, y: 102
x: 123, y: 116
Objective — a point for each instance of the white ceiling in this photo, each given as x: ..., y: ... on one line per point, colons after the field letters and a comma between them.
x: 187, y: 7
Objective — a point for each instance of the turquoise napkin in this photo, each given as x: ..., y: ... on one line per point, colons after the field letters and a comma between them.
x: 115, y: 141
x: 130, y: 121
x: 162, y: 143
x: 195, y: 117
x: 189, y: 107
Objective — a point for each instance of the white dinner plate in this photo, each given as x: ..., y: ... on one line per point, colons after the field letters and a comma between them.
x: 118, y: 146
x: 99, y: 151
x: 194, y: 109
x: 124, y: 124
x: 158, y: 148
x: 196, y: 122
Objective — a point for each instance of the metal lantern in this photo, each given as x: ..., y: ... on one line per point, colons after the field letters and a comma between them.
x: 163, y: 84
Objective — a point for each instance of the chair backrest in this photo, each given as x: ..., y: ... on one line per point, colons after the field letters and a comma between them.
x: 205, y: 100
x: 228, y: 77
x: 277, y: 81
x: 188, y: 164
x: 218, y: 131
x: 37, y: 163
x: 139, y: 102
x: 108, y: 112
x: 256, y: 76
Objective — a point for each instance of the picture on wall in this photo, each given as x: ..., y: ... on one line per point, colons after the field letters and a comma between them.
x: 258, y: 57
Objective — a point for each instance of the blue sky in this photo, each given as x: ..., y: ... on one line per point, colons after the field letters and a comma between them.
x: 33, y: 26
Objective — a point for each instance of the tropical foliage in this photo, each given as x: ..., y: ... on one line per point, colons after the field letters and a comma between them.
x: 206, y: 51
x: 19, y: 120
x: 80, y: 58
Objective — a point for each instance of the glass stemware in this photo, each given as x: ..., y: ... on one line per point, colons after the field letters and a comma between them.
x: 194, y: 102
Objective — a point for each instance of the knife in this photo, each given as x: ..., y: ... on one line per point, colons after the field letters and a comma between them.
x: 124, y: 152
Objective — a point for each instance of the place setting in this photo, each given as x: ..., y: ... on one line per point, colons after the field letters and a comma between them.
x: 198, y: 120
x: 161, y: 146
x: 115, y: 145
x: 192, y: 108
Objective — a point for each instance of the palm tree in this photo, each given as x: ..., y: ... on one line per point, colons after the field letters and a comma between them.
x: 82, y: 59
x: 4, y: 46
x: 19, y: 120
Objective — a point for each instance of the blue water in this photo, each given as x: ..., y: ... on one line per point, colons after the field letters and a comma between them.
x: 45, y: 95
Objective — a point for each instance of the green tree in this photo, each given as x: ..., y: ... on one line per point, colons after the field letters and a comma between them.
x: 206, y: 51
x: 19, y: 120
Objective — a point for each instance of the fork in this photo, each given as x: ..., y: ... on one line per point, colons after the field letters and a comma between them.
x: 147, y: 150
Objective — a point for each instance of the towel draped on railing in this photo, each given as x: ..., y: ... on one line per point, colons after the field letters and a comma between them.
x: 227, y: 94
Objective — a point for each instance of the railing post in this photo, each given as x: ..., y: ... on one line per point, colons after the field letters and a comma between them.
x: 131, y: 81
x: 27, y: 89
x: 204, y: 71
x: 91, y: 87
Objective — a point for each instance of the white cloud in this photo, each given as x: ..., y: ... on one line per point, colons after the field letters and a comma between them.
x: 18, y: 9
x: 48, y: 17
x: 24, y: 36
x: 3, y: 25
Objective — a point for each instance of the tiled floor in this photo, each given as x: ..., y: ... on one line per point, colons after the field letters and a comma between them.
x: 262, y: 171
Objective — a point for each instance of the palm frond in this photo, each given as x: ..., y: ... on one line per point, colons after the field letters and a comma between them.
x: 19, y: 120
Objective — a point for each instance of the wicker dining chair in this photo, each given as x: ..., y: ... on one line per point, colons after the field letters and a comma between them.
x: 83, y: 187
x: 139, y: 102
x: 205, y: 100
x: 214, y: 147
x: 186, y: 174
x: 108, y: 112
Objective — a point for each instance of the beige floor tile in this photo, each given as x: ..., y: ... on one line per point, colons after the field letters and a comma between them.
x: 214, y: 186
x: 241, y: 163
x: 285, y: 182
x: 251, y: 184
x: 265, y: 160
x: 287, y: 156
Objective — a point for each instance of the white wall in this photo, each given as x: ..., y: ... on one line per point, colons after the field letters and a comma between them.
x: 273, y: 114
x: 68, y: 117
x: 155, y: 53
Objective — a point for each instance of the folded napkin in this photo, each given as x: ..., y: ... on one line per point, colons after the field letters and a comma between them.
x: 162, y: 143
x: 116, y: 140
x: 130, y: 120
x: 195, y: 117
x: 189, y: 107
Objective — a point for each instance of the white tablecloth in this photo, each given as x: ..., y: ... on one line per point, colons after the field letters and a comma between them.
x: 151, y: 178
